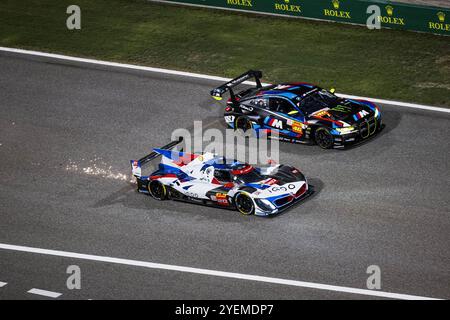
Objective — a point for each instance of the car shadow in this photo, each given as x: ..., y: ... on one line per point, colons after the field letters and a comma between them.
x: 211, y: 104
x: 374, y: 146
x: 391, y: 120
x: 128, y: 197
x: 317, y: 187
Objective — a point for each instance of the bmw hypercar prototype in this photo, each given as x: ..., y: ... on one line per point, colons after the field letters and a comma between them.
x: 212, y: 180
x: 299, y: 112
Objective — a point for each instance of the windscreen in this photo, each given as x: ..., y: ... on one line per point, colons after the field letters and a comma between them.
x: 317, y: 99
x: 247, y: 175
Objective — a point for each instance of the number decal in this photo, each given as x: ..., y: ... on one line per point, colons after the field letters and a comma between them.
x: 229, y: 119
x: 290, y: 186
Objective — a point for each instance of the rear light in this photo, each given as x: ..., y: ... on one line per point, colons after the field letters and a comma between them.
x: 228, y: 109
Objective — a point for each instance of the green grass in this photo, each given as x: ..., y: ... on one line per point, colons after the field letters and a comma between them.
x: 387, y: 64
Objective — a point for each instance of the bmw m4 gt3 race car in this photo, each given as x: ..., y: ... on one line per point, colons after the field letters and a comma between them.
x: 212, y: 180
x: 299, y: 112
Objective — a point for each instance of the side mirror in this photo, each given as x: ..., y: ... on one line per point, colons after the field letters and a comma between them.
x: 332, y: 90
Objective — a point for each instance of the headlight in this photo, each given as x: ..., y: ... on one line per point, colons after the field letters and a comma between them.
x: 377, y: 112
x: 265, y: 204
x: 345, y: 129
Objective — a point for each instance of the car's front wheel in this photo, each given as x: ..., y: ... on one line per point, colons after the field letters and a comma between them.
x: 157, y: 190
x: 244, y: 204
x: 323, y: 138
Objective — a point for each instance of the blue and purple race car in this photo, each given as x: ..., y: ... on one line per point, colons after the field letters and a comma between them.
x: 299, y: 112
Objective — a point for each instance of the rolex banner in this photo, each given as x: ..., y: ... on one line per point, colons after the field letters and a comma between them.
x: 392, y: 14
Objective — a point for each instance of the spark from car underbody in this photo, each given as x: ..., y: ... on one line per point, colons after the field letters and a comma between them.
x: 97, y: 167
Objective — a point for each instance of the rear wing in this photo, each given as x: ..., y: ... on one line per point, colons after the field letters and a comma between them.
x: 218, y: 92
x: 136, y: 165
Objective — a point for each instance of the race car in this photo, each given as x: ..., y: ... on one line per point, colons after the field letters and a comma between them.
x: 299, y: 112
x: 212, y: 180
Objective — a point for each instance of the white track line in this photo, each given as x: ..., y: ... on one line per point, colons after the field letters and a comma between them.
x: 215, y: 273
x: 199, y: 76
x: 2, y: 284
x: 45, y: 293
x: 397, y: 103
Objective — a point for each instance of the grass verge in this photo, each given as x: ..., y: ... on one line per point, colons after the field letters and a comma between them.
x: 386, y: 64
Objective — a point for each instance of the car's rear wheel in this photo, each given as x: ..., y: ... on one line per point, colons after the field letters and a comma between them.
x: 243, y: 123
x: 244, y: 204
x: 323, y: 138
x: 157, y: 190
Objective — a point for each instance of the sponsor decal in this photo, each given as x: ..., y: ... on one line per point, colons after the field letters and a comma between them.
x: 276, y: 123
x: 342, y: 108
x: 323, y: 113
x: 229, y: 119
x: 282, y: 138
x: 390, y: 17
x: 222, y: 199
x: 271, y: 181
x: 335, y: 12
x: 440, y: 24
x: 287, y: 7
x: 361, y: 114
x: 240, y: 3
x: 246, y: 108
x: 297, y: 127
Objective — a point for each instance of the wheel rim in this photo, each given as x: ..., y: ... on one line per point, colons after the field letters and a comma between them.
x: 244, y: 204
x: 157, y: 190
x: 324, y: 139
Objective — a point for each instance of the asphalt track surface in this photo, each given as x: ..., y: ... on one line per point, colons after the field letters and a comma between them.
x: 382, y: 203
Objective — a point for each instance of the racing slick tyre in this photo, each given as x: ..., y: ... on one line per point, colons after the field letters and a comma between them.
x: 243, y: 123
x: 244, y: 204
x: 157, y: 190
x: 323, y: 138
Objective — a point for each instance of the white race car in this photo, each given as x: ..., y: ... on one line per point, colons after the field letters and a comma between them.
x: 212, y: 180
